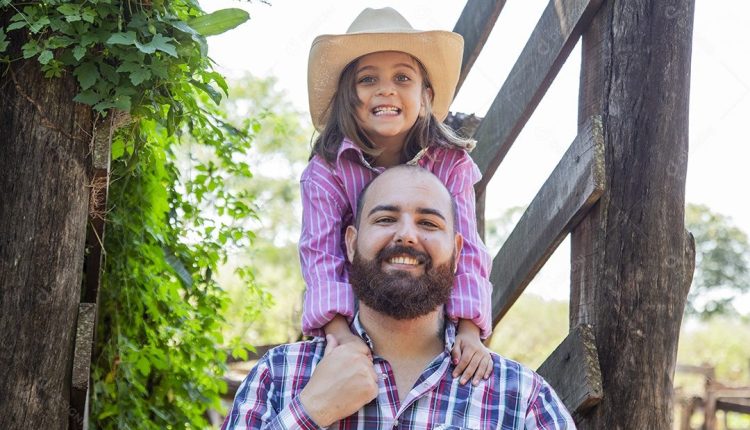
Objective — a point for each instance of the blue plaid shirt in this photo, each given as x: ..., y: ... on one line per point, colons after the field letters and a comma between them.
x: 514, y: 397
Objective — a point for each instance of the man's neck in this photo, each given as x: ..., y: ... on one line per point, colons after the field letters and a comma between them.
x: 419, y: 339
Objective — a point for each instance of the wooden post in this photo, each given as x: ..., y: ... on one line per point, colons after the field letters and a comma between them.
x: 632, y: 260
x: 44, y: 182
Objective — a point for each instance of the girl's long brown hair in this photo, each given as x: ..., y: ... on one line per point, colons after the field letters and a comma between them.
x: 341, y: 122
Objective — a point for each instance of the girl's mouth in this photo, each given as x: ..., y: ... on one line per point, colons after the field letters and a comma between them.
x: 386, y: 111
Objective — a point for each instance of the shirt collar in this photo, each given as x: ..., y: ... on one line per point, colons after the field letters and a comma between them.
x: 347, y: 146
x: 449, y: 337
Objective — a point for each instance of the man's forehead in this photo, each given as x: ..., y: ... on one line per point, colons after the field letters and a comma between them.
x: 408, y: 190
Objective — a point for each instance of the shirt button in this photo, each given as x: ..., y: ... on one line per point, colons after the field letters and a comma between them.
x: 395, y: 424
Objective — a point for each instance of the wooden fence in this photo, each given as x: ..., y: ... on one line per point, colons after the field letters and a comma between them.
x: 566, y: 196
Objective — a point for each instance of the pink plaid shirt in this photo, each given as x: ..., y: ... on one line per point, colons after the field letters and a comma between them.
x: 329, y: 198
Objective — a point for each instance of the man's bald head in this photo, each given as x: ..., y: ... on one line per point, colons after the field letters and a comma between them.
x: 407, y: 172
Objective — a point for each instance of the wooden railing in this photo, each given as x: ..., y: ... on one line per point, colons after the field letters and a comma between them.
x: 566, y: 196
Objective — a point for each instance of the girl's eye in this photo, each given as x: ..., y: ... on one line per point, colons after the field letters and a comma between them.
x: 366, y: 80
x: 403, y: 78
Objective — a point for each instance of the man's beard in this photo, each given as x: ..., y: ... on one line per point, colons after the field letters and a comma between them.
x: 399, y: 294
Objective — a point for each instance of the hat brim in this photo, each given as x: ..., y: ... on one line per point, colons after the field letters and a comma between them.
x: 440, y: 52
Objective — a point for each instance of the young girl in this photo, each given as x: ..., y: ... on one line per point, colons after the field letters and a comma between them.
x: 378, y: 95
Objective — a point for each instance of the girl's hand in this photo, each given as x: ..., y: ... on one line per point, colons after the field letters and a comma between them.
x: 339, y: 329
x: 471, y: 358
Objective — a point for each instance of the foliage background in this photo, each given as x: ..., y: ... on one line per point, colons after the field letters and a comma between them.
x: 160, y: 354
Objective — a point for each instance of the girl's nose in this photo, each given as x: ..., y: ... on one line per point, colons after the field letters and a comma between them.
x: 386, y: 89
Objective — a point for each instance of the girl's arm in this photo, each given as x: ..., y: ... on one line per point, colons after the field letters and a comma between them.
x: 472, y: 290
x: 321, y: 255
x: 470, y: 299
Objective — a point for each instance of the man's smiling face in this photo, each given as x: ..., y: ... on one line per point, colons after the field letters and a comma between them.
x: 405, y: 249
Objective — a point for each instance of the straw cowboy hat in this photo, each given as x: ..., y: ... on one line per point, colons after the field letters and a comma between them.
x: 375, y: 30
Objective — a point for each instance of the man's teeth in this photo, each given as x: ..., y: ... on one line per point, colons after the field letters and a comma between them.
x: 386, y: 110
x: 404, y: 260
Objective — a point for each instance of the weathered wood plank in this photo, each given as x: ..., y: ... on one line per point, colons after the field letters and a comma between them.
x: 553, y: 38
x: 475, y: 24
x: 81, y: 364
x: 741, y: 406
x: 632, y: 260
x: 571, y: 189
x: 573, y: 371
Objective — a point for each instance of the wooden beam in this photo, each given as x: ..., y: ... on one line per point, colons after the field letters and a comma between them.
x: 548, y: 47
x: 573, y: 371
x: 741, y: 406
x: 572, y: 188
x: 475, y: 24
x: 81, y: 364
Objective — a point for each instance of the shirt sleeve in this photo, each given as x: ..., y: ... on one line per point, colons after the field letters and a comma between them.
x: 321, y: 255
x: 253, y: 406
x: 546, y: 411
x: 472, y: 290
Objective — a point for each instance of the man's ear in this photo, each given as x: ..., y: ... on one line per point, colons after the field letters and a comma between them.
x: 350, y: 237
x: 459, y: 245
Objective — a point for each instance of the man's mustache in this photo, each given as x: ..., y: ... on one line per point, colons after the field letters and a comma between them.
x: 392, y: 251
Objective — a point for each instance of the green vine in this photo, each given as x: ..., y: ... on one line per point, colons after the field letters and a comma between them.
x: 172, y: 220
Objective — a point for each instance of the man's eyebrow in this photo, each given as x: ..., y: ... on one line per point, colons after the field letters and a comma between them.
x: 430, y: 211
x: 384, y: 208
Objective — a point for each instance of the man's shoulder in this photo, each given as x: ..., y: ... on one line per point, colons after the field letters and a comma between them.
x: 508, y: 369
x: 310, y: 349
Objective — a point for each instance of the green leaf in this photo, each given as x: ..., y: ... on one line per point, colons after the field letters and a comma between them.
x: 88, y: 15
x: 126, y: 38
x: 30, y: 49
x: 87, y: 74
x: 139, y: 76
x: 46, y: 56
x: 159, y: 43
x: 39, y: 24
x: 78, y: 52
x: 118, y: 149
x: 220, y: 81
x: 218, y: 22
x: 123, y: 103
x: 197, y: 37
x: 69, y: 9
x: 208, y: 89
x: 143, y: 365
x: 87, y: 97
x: 3, y: 41
x: 16, y: 25
x: 109, y: 73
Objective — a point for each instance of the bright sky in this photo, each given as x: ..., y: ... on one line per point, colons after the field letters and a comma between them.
x: 277, y: 39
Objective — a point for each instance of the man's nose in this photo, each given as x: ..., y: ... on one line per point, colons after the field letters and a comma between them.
x: 406, y: 234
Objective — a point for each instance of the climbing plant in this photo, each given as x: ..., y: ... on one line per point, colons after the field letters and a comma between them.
x: 159, y: 355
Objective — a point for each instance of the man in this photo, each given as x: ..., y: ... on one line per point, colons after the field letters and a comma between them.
x: 403, y: 250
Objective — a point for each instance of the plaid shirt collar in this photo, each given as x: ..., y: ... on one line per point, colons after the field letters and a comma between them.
x: 449, y: 337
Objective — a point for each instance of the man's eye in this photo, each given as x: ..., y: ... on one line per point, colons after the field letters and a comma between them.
x: 385, y: 220
x: 429, y: 224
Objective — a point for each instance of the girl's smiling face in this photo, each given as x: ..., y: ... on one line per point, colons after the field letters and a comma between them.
x: 392, y: 96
